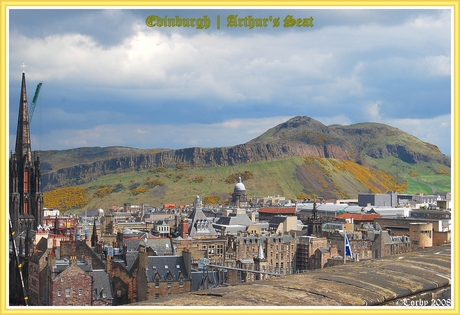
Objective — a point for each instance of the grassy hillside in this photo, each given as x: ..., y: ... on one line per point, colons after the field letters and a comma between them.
x: 291, y: 177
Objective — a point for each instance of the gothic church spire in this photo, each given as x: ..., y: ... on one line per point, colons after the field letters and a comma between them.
x: 23, y: 148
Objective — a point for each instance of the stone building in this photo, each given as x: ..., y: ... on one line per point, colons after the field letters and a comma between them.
x: 38, y: 274
x: 421, y: 235
x: 384, y: 244
x: 278, y: 250
x: 307, y: 257
x: 67, y: 272
x: 361, y: 246
x: 70, y: 283
x: 440, y: 229
x: 324, y: 257
x: 161, y: 276
x: 123, y: 276
x: 282, y: 224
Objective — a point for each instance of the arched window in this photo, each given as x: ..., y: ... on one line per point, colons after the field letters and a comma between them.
x: 26, y: 180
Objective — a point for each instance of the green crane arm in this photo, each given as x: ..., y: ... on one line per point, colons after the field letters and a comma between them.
x: 34, y: 101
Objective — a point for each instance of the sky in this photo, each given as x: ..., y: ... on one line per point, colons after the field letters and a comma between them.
x: 110, y: 79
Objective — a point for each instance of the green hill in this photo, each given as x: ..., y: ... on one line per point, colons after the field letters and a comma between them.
x: 301, y: 157
x: 291, y: 178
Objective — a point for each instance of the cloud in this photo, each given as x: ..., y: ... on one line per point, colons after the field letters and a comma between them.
x: 373, y: 111
x: 110, y: 80
x: 226, y: 133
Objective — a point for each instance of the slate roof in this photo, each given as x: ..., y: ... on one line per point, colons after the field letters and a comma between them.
x: 161, y: 246
x: 63, y: 264
x: 231, y: 229
x: 102, y: 284
x: 131, y: 259
x: 164, y: 265
x: 235, y: 219
x: 200, y: 225
x: 233, y: 223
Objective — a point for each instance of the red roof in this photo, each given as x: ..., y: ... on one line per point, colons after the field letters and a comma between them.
x: 277, y: 210
x: 359, y: 216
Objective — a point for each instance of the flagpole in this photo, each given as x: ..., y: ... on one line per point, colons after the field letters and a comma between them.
x: 344, y: 246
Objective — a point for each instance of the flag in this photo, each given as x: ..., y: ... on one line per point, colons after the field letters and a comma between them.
x: 348, y: 251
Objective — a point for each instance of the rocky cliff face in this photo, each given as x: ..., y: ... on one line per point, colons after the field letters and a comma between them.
x: 300, y: 136
x: 194, y: 157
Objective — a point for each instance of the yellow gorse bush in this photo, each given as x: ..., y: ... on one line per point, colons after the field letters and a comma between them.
x: 65, y: 198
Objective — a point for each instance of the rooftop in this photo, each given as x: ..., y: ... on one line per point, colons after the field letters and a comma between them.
x: 371, y: 282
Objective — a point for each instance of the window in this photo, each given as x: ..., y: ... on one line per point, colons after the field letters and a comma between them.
x: 59, y: 293
x: 181, y: 282
x: 67, y: 292
x: 118, y: 293
x: 80, y: 291
x: 211, y: 250
x: 62, y: 279
x: 169, y: 284
x: 157, y: 295
x: 169, y: 293
x: 157, y: 283
x: 220, y: 249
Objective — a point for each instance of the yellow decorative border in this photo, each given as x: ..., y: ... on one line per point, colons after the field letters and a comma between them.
x: 454, y: 4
